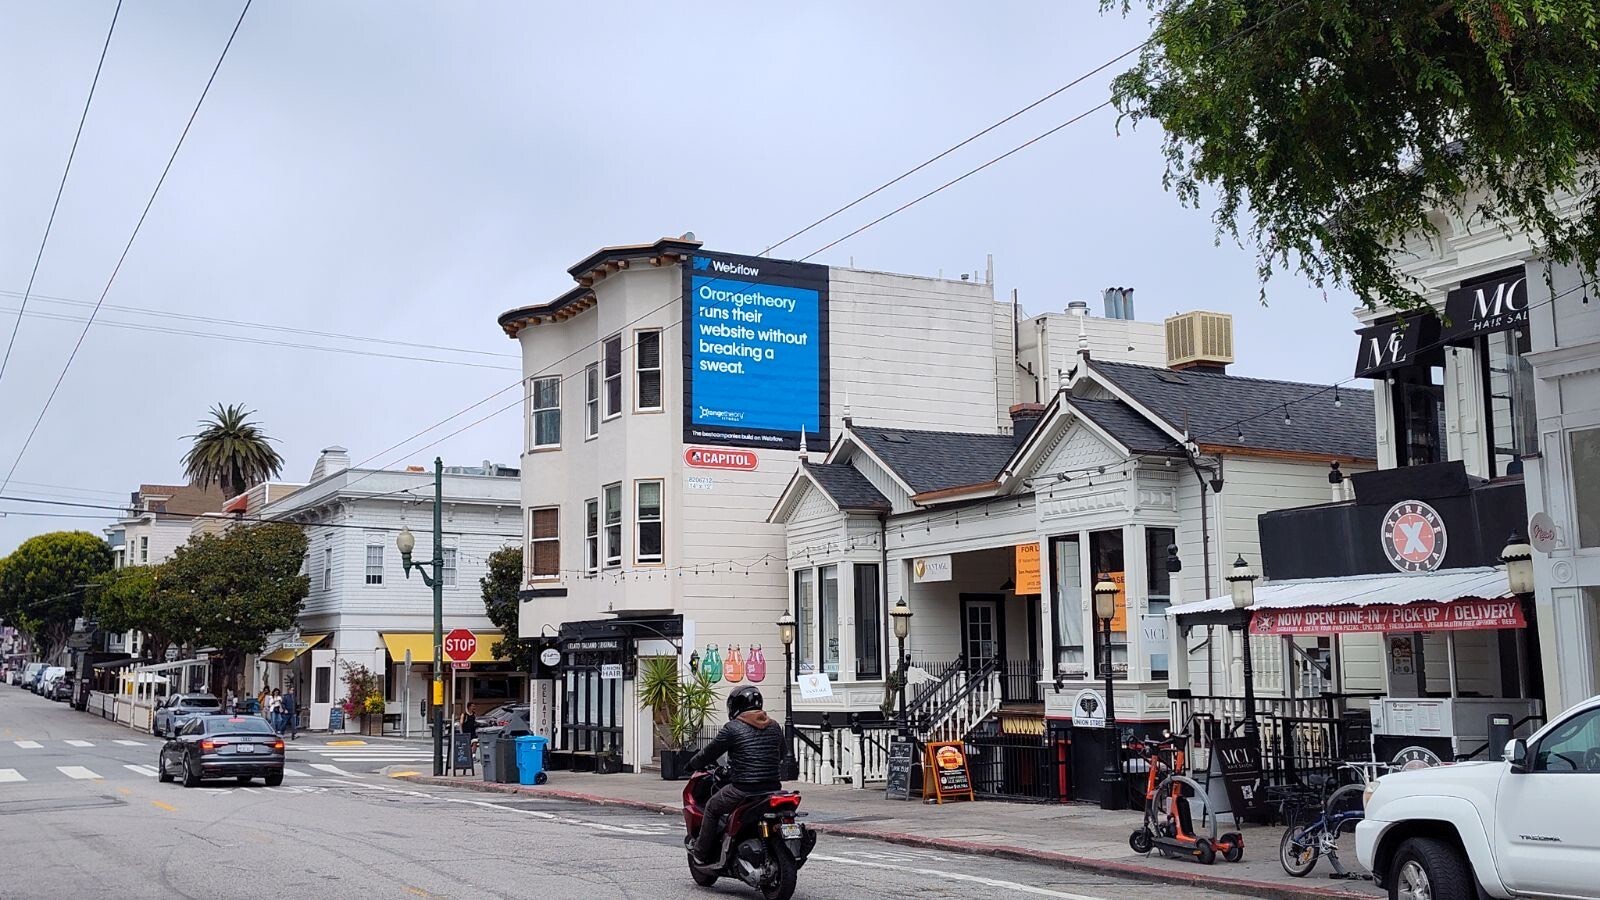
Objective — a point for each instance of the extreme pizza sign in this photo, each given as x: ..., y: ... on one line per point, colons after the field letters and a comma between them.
x: 1457, y: 615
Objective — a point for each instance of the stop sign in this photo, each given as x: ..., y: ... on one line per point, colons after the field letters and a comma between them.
x: 460, y: 644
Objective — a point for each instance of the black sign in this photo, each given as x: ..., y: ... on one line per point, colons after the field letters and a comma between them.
x: 1239, y: 762
x: 336, y: 719
x: 902, y: 758
x: 1496, y: 303
x: 593, y: 645
x: 461, y: 751
x: 1395, y: 343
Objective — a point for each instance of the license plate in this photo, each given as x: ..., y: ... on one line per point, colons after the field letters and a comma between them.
x: 247, y: 748
x: 790, y: 831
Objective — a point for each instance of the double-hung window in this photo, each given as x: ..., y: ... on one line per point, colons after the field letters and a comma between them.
x: 1159, y: 592
x: 544, y: 423
x: 613, y: 524
x: 869, y: 622
x: 144, y: 549
x: 449, y: 572
x: 591, y: 401
x: 647, y: 369
x: 828, y: 619
x: 805, y: 618
x: 544, y: 543
x: 327, y: 568
x: 374, y: 564
x: 591, y: 535
x: 647, y: 522
x: 611, y: 360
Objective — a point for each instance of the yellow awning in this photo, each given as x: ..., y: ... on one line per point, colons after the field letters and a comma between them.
x: 286, y: 655
x: 421, y: 646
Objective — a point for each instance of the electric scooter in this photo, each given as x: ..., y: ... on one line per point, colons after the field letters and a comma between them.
x: 764, y: 843
x: 1168, y: 824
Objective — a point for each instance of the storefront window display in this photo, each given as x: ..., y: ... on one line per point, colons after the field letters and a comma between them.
x: 1585, y: 469
x: 1066, y: 585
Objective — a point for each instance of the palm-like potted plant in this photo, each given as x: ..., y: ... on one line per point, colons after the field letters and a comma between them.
x: 678, y: 707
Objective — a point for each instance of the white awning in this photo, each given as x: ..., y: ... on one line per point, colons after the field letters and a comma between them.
x: 1478, y: 583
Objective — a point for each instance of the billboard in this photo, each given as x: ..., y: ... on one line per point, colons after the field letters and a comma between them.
x: 755, y: 352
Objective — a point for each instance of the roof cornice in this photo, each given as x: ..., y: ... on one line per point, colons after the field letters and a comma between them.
x: 587, y: 273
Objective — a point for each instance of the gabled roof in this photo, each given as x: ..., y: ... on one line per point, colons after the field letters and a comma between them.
x: 846, y: 486
x: 1124, y: 424
x: 938, y: 460
x: 1209, y: 404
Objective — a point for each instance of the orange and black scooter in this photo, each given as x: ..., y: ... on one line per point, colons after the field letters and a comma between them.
x: 1168, y: 824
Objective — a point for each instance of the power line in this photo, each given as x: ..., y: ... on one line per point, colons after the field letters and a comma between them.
x: 229, y: 517
x: 128, y: 247
x: 61, y: 188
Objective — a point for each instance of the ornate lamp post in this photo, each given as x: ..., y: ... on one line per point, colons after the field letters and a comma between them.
x: 789, y: 767
x: 1518, y: 557
x: 901, y: 616
x: 1105, y: 609
x: 1243, y: 584
x: 432, y: 573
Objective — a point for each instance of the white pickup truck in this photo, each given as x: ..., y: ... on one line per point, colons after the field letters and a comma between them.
x: 1528, y: 826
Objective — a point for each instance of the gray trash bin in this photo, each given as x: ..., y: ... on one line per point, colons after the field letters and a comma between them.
x: 497, y: 753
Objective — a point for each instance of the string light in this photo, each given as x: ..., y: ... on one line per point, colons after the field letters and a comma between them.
x: 1287, y: 420
x: 1337, y: 403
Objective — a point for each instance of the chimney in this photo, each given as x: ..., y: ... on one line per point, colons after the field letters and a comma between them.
x: 1201, y: 341
x: 1024, y: 419
x: 332, y: 461
x: 1119, y: 303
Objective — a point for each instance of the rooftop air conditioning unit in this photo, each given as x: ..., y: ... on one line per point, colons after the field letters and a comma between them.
x: 1200, y: 340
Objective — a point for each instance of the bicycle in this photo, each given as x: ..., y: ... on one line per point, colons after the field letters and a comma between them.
x: 1303, y: 843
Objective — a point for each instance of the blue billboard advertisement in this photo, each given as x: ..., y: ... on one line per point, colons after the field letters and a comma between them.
x: 755, y: 352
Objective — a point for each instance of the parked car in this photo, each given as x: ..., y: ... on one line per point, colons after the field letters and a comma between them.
x: 30, y: 676
x: 1521, y: 827
x: 47, y: 680
x: 212, y: 746
x: 505, y: 714
x: 171, y: 713
x: 61, y: 689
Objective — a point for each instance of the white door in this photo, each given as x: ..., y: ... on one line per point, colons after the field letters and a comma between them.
x: 982, y: 632
x: 320, y: 692
x: 1547, y: 814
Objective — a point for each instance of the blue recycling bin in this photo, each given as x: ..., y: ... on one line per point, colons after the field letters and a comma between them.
x: 530, y: 759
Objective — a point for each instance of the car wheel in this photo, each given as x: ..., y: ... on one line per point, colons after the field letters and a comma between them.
x: 274, y: 779
x: 191, y: 777
x: 1429, y: 869
x: 162, y: 775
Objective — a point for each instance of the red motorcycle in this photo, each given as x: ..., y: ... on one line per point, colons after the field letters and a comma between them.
x: 764, y: 843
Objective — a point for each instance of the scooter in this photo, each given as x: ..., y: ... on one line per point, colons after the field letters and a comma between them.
x: 1168, y: 824
x: 764, y: 843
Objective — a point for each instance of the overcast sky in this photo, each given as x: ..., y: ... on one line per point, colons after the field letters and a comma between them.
x: 408, y: 171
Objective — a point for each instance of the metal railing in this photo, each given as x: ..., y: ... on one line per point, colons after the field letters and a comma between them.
x: 1018, y: 767
x: 973, y: 697
x: 1300, y: 736
x: 1020, y: 681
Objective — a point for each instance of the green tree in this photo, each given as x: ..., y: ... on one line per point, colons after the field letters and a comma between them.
x: 231, y: 451
x: 1330, y: 130
x: 43, y: 582
x: 500, y: 585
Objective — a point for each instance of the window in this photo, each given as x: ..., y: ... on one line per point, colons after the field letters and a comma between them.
x: 613, y: 523
x: 144, y: 549
x: 591, y: 535
x: 647, y: 522
x: 374, y: 564
x: 869, y: 622
x: 1105, y: 552
x: 545, y: 422
x: 1159, y: 580
x: 805, y: 617
x: 1417, y: 395
x: 544, y: 545
x: 591, y: 401
x: 449, y: 570
x: 1585, y: 473
x: 828, y: 619
x: 612, y: 359
x: 1067, y: 601
x: 1574, y: 746
x: 1508, y: 387
x: 327, y: 568
x: 647, y: 369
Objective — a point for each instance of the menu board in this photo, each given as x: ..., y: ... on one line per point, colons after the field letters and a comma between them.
x: 947, y: 763
x: 461, y: 751
x: 902, y: 759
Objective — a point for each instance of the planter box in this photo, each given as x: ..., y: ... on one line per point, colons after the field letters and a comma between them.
x: 675, y: 764
x: 608, y: 764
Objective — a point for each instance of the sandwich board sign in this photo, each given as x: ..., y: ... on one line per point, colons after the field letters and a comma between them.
x: 947, y: 770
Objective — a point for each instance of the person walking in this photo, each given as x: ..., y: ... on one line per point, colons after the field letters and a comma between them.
x: 261, y: 700
x: 291, y: 712
x: 275, y: 710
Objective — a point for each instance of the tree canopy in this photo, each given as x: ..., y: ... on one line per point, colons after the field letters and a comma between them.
x: 43, y: 581
x: 500, y: 603
x: 1329, y: 130
x: 231, y: 451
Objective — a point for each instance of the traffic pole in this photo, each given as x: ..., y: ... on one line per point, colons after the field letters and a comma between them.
x: 438, y: 616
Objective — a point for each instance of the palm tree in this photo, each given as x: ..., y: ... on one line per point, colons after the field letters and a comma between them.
x: 230, y: 451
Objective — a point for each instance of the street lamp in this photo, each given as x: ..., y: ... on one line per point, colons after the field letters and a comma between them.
x: 1105, y: 609
x: 1243, y: 584
x: 901, y: 616
x: 789, y: 767
x: 1518, y: 557
x: 432, y: 573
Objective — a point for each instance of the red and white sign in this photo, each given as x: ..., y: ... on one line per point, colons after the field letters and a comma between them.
x: 461, y: 665
x: 1414, y: 537
x: 719, y: 458
x: 1457, y: 615
x: 460, y: 644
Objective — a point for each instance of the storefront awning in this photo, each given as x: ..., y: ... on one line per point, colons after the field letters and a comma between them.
x: 290, y: 654
x: 421, y: 646
x: 1452, y: 600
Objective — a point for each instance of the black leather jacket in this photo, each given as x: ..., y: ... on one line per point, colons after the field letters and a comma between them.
x: 754, y: 744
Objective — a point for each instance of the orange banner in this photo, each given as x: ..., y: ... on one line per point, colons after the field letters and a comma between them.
x: 1027, y: 570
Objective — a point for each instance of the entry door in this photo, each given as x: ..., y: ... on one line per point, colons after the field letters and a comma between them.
x: 320, y: 695
x: 980, y: 631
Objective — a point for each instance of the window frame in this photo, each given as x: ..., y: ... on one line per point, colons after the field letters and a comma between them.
x: 382, y: 564
x: 591, y: 401
x: 805, y: 616
x: 611, y: 557
x: 449, y: 566
x: 828, y: 622
x: 1583, y: 481
x: 534, y: 411
x: 1484, y: 347
x: 867, y: 591
x: 607, y: 413
x: 327, y: 568
x: 640, y: 371
x: 532, y: 555
x: 591, y: 535
x: 1579, y: 722
x: 639, y: 521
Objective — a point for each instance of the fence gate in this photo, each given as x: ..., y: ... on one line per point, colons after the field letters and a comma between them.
x: 1017, y: 766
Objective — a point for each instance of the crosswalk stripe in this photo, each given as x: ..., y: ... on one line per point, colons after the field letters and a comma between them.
x: 294, y: 773
x: 332, y: 770
x: 142, y: 770
x: 28, y: 745
x: 377, y: 759
x: 78, y: 772
x: 10, y: 775
x: 80, y: 744
x: 131, y: 743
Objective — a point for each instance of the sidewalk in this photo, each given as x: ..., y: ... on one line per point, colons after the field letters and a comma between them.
x: 1069, y: 835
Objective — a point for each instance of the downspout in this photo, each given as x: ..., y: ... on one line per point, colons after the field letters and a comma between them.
x: 1205, y: 523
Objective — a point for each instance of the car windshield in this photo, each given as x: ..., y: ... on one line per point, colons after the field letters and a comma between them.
x: 200, y: 703
x: 237, y: 725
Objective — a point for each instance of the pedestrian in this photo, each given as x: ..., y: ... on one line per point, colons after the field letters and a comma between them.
x: 291, y: 712
x: 275, y: 710
x: 261, y: 700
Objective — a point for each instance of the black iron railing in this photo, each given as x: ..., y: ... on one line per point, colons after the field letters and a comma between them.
x: 1030, y: 768
x: 1019, y: 681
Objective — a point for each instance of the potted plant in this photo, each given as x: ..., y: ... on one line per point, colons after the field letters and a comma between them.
x: 697, y: 699
x: 372, y: 709
x: 658, y: 692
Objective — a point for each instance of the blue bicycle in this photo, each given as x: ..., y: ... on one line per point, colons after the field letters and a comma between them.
x: 1304, y: 842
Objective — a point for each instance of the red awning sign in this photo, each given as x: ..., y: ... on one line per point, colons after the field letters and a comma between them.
x: 1457, y: 615
x: 718, y: 458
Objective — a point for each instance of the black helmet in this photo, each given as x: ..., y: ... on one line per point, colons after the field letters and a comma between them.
x: 743, y: 700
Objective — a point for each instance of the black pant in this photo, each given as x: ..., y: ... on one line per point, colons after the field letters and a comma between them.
x: 721, y: 803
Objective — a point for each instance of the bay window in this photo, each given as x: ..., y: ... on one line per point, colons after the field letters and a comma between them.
x: 1105, y: 553
x: 544, y: 543
x: 647, y: 370
x: 544, y: 423
x: 591, y: 401
x: 611, y: 359
x: 1158, y: 582
x: 591, y: 535
x: 828, y: 619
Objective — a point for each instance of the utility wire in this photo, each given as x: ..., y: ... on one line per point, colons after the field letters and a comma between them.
x: 61, y: 188
x: 128, y: 247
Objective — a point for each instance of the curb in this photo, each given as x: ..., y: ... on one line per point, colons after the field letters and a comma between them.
x: 1201, y: 878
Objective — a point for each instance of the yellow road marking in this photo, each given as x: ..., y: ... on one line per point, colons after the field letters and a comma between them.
x: 402, y: 774
x: 166, y: 806
x: 347, y: 743
x: 418, y: 891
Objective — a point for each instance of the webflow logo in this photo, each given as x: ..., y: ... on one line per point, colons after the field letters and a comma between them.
x: 701, y: 263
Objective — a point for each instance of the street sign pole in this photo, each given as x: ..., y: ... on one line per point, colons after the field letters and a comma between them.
x: 405, y: 696
x: 438, y: 616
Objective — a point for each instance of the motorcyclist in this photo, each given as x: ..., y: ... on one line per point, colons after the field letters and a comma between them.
x: 754, y: 744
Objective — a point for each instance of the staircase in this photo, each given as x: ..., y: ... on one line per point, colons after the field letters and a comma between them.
x: 954, y: 705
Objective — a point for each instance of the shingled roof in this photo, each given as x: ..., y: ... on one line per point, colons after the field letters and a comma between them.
x: 1125, y: 424
x: 938, y: 460
x: 1321, y: 420
x: 846, y: 486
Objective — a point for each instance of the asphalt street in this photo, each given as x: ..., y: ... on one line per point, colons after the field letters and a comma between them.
x: 82, y: 816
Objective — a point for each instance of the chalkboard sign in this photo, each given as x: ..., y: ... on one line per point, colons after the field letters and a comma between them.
x: 902, y: 757
x: 948, y: 764
x: 336, y: 719
x: 461, y: 751
x: 1238, y: 761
